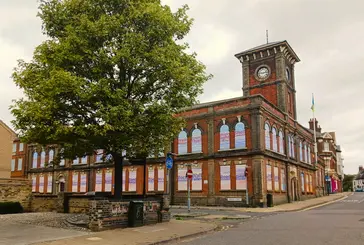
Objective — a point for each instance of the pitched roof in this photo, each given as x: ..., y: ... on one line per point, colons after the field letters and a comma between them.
x: 7, y: 128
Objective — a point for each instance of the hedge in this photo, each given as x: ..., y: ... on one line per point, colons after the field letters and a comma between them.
x: 10, y: 208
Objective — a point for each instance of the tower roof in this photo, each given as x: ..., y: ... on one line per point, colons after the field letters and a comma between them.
x: 280, y: 46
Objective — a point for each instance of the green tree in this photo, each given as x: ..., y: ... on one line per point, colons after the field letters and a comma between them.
x: 348, y: 182
x: 111, y: 75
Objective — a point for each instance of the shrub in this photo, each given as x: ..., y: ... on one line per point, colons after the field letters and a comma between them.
x: 10, y: 208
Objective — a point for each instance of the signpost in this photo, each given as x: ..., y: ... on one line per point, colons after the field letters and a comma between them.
x: 169, y: 165
x: 189, y: 175
x: 246, y: 191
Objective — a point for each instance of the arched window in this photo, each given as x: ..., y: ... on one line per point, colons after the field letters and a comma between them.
x: 267, y: 136
x: 274, y: 135
x: 301, y: 151
x: 50, y: 156
x: 196, y: 140
x: 309, y: 154
x: 182, y: 142
x: 293, y: 147
x: 35, y: 160
x: 84, y: 160
x: 240, y: 138
x: 305, y: 152
x: 224, y: 137
x: 280, y: 141
x: 42, y: 159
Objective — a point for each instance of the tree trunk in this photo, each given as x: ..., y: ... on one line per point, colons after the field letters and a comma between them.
x: 118, y: 163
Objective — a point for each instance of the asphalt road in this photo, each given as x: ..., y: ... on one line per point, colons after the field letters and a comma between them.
x: 341, y: 222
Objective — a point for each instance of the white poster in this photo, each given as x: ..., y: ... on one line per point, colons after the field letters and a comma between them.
x: 151, y: 179
x: 34, y: 183
x: 75, y: 182
x: 132, y: 180
x: 241, y: 182
x: 283, y: 179
x: 225, y: 177
x: 182, y: 180
x: 276, y: 179
x: 41, y: 184
x: 108, y: 180
x: 160, y: 179
x: 98, y: 182
x: 123, y: 182
x: 269, y: 178
x: 197, y: 177
x: 50, y: 184
x: 196, y: 140
x: 224, y: 137
x: 83, y: 183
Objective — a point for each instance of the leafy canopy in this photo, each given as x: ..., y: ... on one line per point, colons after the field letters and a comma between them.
x: 111, y: 75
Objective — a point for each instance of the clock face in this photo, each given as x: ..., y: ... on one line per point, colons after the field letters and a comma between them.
x: 263, y: 73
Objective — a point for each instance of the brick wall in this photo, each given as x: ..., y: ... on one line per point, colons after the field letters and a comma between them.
x: 78, y: 204
x: 105, y: 214
x: 16, y: 190
x: 44, y: 203
x: 6, y: 142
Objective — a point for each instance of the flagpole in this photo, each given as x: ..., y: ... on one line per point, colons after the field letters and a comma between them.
x: 314, y: 128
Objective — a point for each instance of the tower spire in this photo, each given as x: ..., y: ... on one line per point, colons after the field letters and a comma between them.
x: 266, y: 33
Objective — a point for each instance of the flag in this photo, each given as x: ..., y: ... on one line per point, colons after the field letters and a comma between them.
x: 313, y: 104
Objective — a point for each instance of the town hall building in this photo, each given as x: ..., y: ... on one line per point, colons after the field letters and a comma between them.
x: 257, y: 132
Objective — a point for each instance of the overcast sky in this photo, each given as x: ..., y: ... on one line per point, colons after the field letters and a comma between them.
x: 327, y: 35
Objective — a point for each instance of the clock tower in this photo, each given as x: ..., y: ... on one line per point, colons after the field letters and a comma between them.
x: 269, y: 70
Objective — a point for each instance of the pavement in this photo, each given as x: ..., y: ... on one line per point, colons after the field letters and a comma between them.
x: 203, y: 220
x: 152, y: 234
x: 340, y: 222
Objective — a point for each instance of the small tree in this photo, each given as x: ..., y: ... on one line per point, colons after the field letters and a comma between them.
x: 110, y: 76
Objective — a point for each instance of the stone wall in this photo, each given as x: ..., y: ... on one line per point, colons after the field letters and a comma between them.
x: 78, y: 204
x: 105, y: 214
x: 44, y: 203
x: 16, y: 190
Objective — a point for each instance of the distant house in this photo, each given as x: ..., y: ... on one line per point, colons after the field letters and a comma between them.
x: 7, y: 136
x: 358, y: 182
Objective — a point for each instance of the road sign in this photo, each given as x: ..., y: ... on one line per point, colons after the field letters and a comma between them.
x: 189, y: 174
x: 169, y: 161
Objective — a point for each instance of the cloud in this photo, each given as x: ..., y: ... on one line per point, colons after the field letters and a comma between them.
x: 325, y: 34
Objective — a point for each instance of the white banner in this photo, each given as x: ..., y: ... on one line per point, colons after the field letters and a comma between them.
x: 34, y: 183
x: 98, y: 182
x: 283, y: 179
x: 50, y: 184
x: 123, y: 182
x: 276, y: 179
x: 197, y: 177
x: 83, y: 183
x: 151, y: 179
x: 132, y: 180
x: 108, y: 181
x: 75, y: 182
x: 41, y: 184
x: 182, y: 180
x: 269, y: 178
x: 225, y: 177
x: 241, y: 182
x: 160, y: 179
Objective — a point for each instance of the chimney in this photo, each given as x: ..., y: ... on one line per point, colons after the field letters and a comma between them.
x: 318, y: 128
x: 360, y: 168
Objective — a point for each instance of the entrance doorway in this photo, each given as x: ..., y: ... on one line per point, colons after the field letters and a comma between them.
x: 294, y: 186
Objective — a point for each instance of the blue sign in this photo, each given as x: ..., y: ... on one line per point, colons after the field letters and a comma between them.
x: 328, y: 178
x: 169, y: 161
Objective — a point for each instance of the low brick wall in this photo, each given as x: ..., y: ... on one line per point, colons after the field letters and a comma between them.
x: 78, y: 204
x: 44, y: 203
x: 105, y: 214
x: 16, y: 190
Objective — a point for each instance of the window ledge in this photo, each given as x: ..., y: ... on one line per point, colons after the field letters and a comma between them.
x: 232, y: 149
x: 188, y: 154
